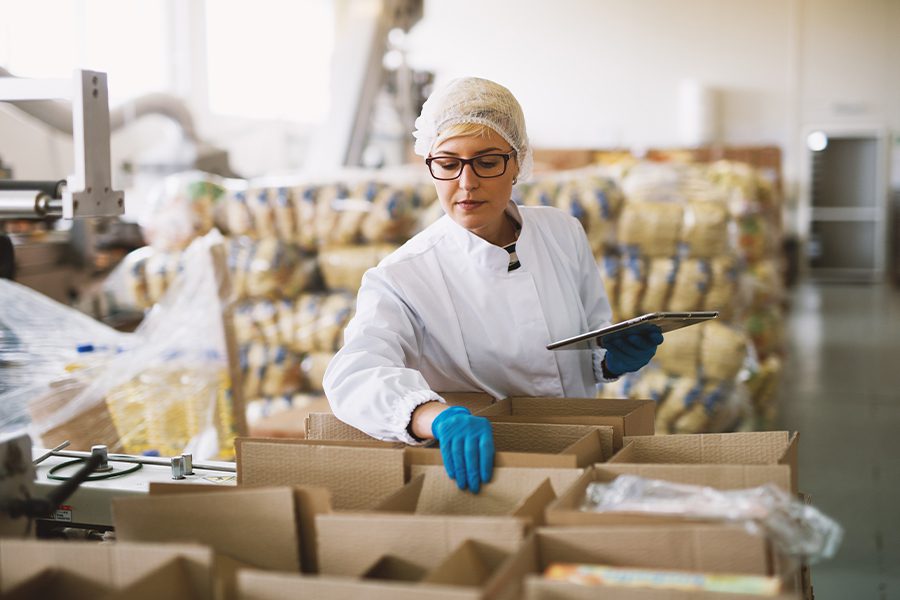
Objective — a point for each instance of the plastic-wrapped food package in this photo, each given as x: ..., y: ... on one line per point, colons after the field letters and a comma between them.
x: 679, y: 354
x: 723, y: 351
x: 691, y: 285
x: 660, y: 279
x: 240, y: 253
x: 700, y: 415
x: 798, y: 530
x: 755, y: 238
x: 262, y: 212
x: 653, y: 228
x: 602, y: 201
x: 238, y: 218
x: 683, y: 394
x: 343, y: 267
x: 305, y: 207
x: 132, y: 274
x: 632, y: 282
x: 762, y: 385
x: 335, y: 312
x: 392, y: 217
x: 181, y: 208
x: 274, y: 269
x: 704, y: 232
x: 285, y: 214
x: 610, y: 271
x: 306, y: 317
x: 735, y: 408
x: 765, y: 326
x: 540, y: 193
x: 766, y: 283
x: 352, y: 212
x: 327, y: 214
x: 313, y: 367
x: 269, y: 371
x: 654, y: 384
x: 723, y: 294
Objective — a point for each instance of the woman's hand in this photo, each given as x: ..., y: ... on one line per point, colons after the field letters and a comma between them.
x: 631, y: 351
x: 467, y: 446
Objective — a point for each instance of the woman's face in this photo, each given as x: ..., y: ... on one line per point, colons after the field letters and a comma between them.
x: 474, y: 202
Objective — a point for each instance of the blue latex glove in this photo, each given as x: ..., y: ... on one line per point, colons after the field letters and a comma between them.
x: 631, y: 350
x: 467, y: 446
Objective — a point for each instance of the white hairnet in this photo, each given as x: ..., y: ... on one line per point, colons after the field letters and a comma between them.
x: 474, y: 100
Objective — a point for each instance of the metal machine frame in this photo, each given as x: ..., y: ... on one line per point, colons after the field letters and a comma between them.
x: 88, y: 192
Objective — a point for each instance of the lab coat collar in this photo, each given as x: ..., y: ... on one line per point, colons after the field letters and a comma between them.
x: 481, y: 252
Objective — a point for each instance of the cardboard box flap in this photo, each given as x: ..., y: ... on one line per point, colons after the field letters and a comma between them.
x: 538, y: 406
x: 322, y: 425
x: 722, y: 477
x: 627, y: 417
x: 116, y: 565
x: 257, y: 585
x: 746, y: 448
x: 358, y: 474
x: 326, y: 426
x: 350, y: 542
x: 394, y: 568
x: 256, y: 526
x: 472, y: 564
x: 170, y: 581
x: 532, y: 506
x: 536, y: 445
x: 58, y: 584
x: 500, y: 496
x: 405, y: 499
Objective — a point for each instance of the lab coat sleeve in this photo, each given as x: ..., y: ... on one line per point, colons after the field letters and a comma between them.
x: 368, y: 383
x: 593, y: 297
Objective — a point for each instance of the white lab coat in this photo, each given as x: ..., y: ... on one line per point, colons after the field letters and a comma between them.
x: 442, y: 313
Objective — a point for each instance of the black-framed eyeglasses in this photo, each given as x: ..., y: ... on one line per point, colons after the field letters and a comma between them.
x: 485, y: 166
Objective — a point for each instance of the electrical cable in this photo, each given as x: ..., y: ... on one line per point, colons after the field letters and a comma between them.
x: 51, y: 474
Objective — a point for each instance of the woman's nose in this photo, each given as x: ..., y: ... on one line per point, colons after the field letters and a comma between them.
x: 468, y: 180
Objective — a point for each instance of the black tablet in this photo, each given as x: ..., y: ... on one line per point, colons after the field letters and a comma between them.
x: 666, y: 321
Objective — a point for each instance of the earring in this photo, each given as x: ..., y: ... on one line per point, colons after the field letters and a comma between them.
x: 515, y: 180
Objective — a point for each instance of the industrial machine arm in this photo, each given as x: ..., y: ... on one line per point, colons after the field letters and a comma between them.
x: 87, y: 192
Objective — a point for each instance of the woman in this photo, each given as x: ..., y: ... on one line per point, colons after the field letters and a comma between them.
x: 470, y: 303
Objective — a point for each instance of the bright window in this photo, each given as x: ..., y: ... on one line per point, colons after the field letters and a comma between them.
x: 270, y: 58
x: 127, y: 39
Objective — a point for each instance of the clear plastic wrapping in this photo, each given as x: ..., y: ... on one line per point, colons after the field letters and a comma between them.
x: 163, y: 388
x: 796, y: 529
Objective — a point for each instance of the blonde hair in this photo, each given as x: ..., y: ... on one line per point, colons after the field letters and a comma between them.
x: 455, y: 130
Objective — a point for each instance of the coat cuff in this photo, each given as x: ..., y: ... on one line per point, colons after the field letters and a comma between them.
x: 400, y: 419
x: 600, y: 374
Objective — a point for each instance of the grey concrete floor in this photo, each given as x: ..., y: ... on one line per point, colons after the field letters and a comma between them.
x: 841, y: 391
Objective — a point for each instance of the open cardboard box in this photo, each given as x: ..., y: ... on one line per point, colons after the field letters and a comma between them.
x: 719, y: 460
x: 325, y: 426
x: 689, y: 547
x: 537, y: 445
x: 626, y: 417
x: 70, y: 569
x: 430, y: 516
x: 169, y: 581
x: 358, y: 474
x: 266, y: 528
x: 472, y: 571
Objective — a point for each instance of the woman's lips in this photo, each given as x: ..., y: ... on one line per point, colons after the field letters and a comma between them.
x: 469, y: 204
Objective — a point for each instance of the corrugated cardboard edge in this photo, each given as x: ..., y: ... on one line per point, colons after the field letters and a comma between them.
x: 258, y: 585
x: 116, y: 564
x: 349, y: 542
x: 249, y: 514
x: 358, y: 473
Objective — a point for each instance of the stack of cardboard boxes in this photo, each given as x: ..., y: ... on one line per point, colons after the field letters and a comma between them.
x: 354, y: 518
